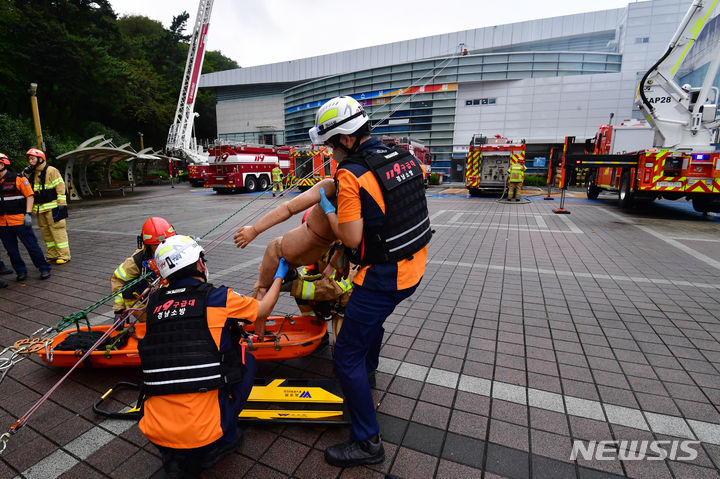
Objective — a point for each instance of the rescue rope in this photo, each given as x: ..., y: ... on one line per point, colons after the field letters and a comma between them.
x: 447, y: 63
x: 215, y: 242
x: 22, y: 421
x: 34, y: 344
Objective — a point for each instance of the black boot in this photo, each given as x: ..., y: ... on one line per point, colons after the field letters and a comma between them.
x: 355, y: 453
x: 5, y: 270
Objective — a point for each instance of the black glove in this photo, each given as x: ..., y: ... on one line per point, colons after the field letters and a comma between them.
x: 59, y: 213
x: 28, y: 169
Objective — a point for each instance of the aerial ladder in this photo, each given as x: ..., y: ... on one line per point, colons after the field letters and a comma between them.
x: 682, y: 161
x: 181, y: 141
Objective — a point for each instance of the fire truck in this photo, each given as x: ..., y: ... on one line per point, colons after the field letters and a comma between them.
x: 682, y: 159
x: 196, y: 173
x: 237, y: 166
x: 308, y: 165
x: 488, y: 162
x: 416, y: 148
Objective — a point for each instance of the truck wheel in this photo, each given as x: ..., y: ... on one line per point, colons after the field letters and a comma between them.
x: 625, y: 193
x: 264, y: 182
x: 251, y: 184
x: 474, y: 192
x: 592, y: 190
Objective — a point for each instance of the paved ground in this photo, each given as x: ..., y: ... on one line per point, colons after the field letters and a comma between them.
x: 529, y: 330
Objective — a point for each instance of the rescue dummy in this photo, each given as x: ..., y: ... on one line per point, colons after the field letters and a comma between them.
x: 153, y: 232
x: 303, y: 245
x: 197, y: 377
x: 322, y: 295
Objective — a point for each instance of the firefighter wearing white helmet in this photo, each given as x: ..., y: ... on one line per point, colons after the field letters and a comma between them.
x: 382, y: 219
x: 196, y: 376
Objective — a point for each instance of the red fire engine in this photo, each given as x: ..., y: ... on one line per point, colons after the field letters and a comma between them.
x: 416, y: 148
x: 488, y: 162
x: 196, y: 173
x: 682, y: 159
x: 308, y: 165
x: 242, y: 165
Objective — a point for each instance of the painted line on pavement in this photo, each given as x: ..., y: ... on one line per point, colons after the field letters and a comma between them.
x: 82, y: 447
x: 622, y: 416
x: 685, y: 249
x: 504, y: 227
x: 613, y: 277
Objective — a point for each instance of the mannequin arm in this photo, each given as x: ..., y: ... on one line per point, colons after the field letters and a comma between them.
x: 284, y: 211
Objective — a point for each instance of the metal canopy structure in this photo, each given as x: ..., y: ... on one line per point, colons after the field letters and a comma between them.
x: 100, y: 150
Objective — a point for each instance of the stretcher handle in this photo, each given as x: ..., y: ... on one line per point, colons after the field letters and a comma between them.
x: 134, y: 413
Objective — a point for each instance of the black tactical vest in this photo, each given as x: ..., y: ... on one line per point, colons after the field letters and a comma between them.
x: 405, y: 228
x: 178, y: 353
x: 42, y: 195
x: 12, y: 201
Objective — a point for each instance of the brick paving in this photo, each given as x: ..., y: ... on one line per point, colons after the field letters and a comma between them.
x: 529, y: 330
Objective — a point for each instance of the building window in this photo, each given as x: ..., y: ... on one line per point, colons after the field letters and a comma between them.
x: 642, y: 39
x: 481, y: 101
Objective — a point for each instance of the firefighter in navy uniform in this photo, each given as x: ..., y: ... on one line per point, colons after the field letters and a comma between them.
x: 153, y: 232
x: 196, y: 377
x: 16, y: 203
x: 382, y: 218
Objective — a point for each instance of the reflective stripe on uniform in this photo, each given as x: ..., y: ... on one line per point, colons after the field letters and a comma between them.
x: 308, y: 291
x: 344, y: 285
x: 180, y: 368
x: 121, y: 274
x: 409, y: 242
x: 63, y: 245
x: 19, y: 197
x: 51, y: 244
x: 119, y: 300
x: 177, y: 381
x: 46, y: 206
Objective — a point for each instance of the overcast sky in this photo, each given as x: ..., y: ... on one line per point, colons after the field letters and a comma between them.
x: 257, y: 32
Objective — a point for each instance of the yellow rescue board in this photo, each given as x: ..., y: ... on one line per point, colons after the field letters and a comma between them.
x: 268, y: 414
x: 274, y: 392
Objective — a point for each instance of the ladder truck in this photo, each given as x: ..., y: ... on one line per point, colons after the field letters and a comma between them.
x: 180, y: 141
x: 682, y: 160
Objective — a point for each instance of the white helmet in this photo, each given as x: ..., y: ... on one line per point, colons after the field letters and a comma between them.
x: 341, y: 115
x: 175, y: 253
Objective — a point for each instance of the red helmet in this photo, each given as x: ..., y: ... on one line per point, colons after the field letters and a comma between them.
x: 154, y: 231
x: 4, y: 159
x: 36, y: 152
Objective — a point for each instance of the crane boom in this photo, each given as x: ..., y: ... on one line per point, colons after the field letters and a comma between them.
x: 180, y: 138
x: 683, y: 117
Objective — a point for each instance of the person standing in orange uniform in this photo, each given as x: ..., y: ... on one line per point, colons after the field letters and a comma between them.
x: 382, y: 219
x: 16, y: 203
x: 196, y: 377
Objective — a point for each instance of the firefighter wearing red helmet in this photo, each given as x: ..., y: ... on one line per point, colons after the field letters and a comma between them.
x: 154, y: 231
x: 50, y: 205
x: 277, y: 179
x: 16, y: 202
